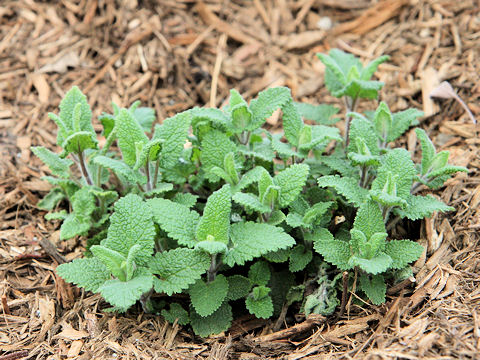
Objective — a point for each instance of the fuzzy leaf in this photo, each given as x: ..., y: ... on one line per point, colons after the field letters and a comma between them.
x: 419, y: 207
x: 51, y: 199
x: 238, y: 287
x: 345, y: 186
x: 266, y: 103
x: 336, y: 252
x: 292, y: 123
x: 260, y: 306
x: 145, y: 116
x: 88, y: 273
x: 212, y: 247
x: 177, y: 269
x: 375, y: 265
x: 208, y: 297
x: 403, y: 252
x: 428, y: 149
x: 299, y: 258
x: 129, y: 132
x: 375, y: 288
x: 187, y: 199
x: 250, y: 202
x: 176, y: 312
x: 112, y: 259
x: 219, y: 321
x: 120, y: 168
x: 259, y: 273
x: 215, y: 220
x: 249, y: 178
x: 291, y: 182
x: 80, y: 141
x: 251, y: 240
x: 369, y: 219
x: 401, y: 121
x: 176, y: 219
x: 131, y: 224
x: 372, y: 66
x: 124, y: 294
x: 173, y: 131
x: 58, y: 166
x: 361, y: 128
x: 215, y: 145
x: 321, y: 114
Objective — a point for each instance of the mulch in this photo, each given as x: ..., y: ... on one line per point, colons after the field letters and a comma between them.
x: 173, y: 55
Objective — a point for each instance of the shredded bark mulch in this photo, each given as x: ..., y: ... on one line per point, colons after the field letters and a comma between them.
x: 173, y: 55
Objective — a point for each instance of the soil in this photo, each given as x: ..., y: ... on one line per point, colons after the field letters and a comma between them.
x: 173, y: 55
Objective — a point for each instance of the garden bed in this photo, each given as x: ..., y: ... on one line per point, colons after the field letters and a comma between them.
x: 178, y: 54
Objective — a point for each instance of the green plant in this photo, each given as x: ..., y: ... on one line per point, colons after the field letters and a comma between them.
x: 216, y: 208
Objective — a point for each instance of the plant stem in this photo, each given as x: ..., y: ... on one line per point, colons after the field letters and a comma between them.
x: 155, y: 175
x: 147, y: 172
x: 83, y: 167
x: 213, y: 268
x: 350, y: 103
x: 363, y: 176
x: 344, y: 294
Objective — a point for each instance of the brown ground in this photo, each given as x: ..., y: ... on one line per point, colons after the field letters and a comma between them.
x: 173, y: 55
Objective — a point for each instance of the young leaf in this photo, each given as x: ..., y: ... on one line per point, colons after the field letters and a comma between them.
x: 58, y: 166
x: 238, y: 287
x: 336, y: 252
x: 266, y: 103
x: 250, y: 202
x: 215, y: 220
x: 374, y: 287
x: 250, y: 177
x: 131, y: 224
x: 363, y: 129
x: 259, y: 273
x: 120, y: 168
x: 88, y: 273
x: 173, y: 132
x: 403, y: 252
x: 212, y: 247
x: 259, y: 303
x: 112, y: 259
x: 145, y: 116
x: 419, y: 207
x: 187, y: 199
x: 177, y: 269
x: 215, y: 145
x: 345, y: 186
x: 321, y: 114
x: 124, y: 294
x: 299, y: 258
x: 80, y: 141
x: 369, y: 219
x: 208, y: 297
x: 375, y: 265
x: 372, y: 66
x: 51, y: 199
x: 79, y: 221
x: 292, y: 123
x: 428, y: 149
x: 176, y: 219
x: 291, y: 182
x: 176, y: 312
x: 251, y: 240
x: 219, y: 321
x: 401, y: 121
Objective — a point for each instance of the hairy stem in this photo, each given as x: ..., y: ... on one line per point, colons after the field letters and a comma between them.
x: 83, y: 167
x: 212, y: 272
x: 155, y: 175
x: 350, y: 103
x: 147, y: 172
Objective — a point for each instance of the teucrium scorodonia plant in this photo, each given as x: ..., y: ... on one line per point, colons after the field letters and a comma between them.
x: 240, y: 216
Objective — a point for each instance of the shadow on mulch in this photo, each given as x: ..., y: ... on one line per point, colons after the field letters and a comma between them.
x: 173, y: 55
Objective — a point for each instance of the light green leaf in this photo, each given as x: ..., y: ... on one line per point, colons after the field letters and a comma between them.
x: 145, y: 116
x: 174, y: 133
x: 266, y: 103
x: 112, y: 259
x: 299, y: 258
x: 176, y: 312
x: 259, y: 273
x: 419, y: 207
x: 80, y: 141
x: 375, y: 265
x: 57, y: 165
x: 372, y: 66
x: 250, y: 177
x: 208, y: 297
x: 215, y: 220
x: 428, y: 149
x: 120, y: 168
x: 238, y: 287
x: 361, y: 128
x: 259, y: 303
x: 321, y: 114
x: 369, y: 219
x: 129, y: 132
x: 124, y: 294
x: 291, y: 182
x: 187, y: 199
x: 402, y: 120
x: 336, y: 252
x: 374, y: 287
x: 403, y: 252
x: 292, y: 123
x: 51, y: 199
x: 88, y: 273
x: 212, y: 247
x: 250, y: 202
x: 219, y: 321
x: 345, y: 186
x: 178, y: 269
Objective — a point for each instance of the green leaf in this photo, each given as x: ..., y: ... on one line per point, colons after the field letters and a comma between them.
x: 79, y: 221
x: 295, y: 220
x: 299, y: 258
x: 292, y: 123
x: 383, y: 121
x: 176, y: 219
x: 336, y: 252
x: 403, y: 252
x: 419, y: 207
x: 51, y: 199
x: 291, y: 182
x: 212, y: 247
x: 259, y: 273
x: 121, y: 169
x: 176, y: 312
x: 284, y: 150
x: 174, y: 133
x: 131, y: 224
x: 345, y: 186
x: 266, y: 103
x: 321, y: 114
x: 88, y: 273
x: 178, y: 269
x: 73, y: 226
x: 215, y: 145
x: 401, y: 121
x: 369, y: 219
x: 321, y: 135
x: 428, y: 149
x: 238, y: 287
x: 124, y: 294
x: 250, y: 177
x: 215, y: 220
x: 276, y: 217
x: 375, y: 265
x: 187, y: 199
x: 259, y: 303
x: 250, y: 202
x: 278, y: 256
x: 251, y: 240
x: 372, y: 66
x: 208, y: 297
x: 148, y: 152
x: 362, y: 131
x: 374, y: 287
x: 129, y: 132
x: 58, y: 166
x: 112, y: 259
x: 80, y: 141
x: 145, y: 116
x: 219, y: 321
x: 446, y: 171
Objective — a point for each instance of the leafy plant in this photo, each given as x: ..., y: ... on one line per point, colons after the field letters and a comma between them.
x: 212, y: 206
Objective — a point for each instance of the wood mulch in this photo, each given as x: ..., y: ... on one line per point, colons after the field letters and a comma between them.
x: 173, y: 55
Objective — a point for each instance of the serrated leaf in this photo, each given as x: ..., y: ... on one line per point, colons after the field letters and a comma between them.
x: 131, y: 224
x: 278, y: 256
x: 428, y: 149
x: 250, y: 202
x: 176, y: 312
x: 284, y: 150
x: 276, y: 217
x: 112, y: 259
x: 187, y: 199
x: 79, y: 221
x: 73, y: 226
x: 238, y: 287
x: 251, y: 240
x: 374, y: 287
x: 178, y: 269
x: 173, y: 132
x: 259, y: 273
x: 215, y: 220
x: 292, y: 123
x: 57, y: 165
x: 176, y: 219
x: 129, y: 132
x: 447, y: 170
x: 403, y: 252
x: 120, y: 168
x: 419, y: 207
x: 208, y: 297
x: 291, y: 182
x: 361, y: 128
x: 219, y: 321
x: 250, y: 177
x: 321, y: 114
x: 211, y: 247
x: 295, y: 220
x: 386, y: 199
x: 401, y: 121
x: 88, y: 273
x: 260, y: 307
x: 372, y: 66
x: 299, y: 258
x: 149, y: 152
x: 336, y: 252
x: 345, y: 186
x: 369, y: 219
x: 266, y: 103
x: 124, y: 294
x: 375, y: 265
x: 215, y: 145
x: 80, y: 141
x: 145, y: 116
x: 51, y: 199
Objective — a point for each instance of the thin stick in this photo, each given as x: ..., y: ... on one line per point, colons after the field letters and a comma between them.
x: 155, y: 175
x: 344, y: 295
x: 216, y: 70
x: 6, y: 309
x: 83, y: 168
x: 15, y: 355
